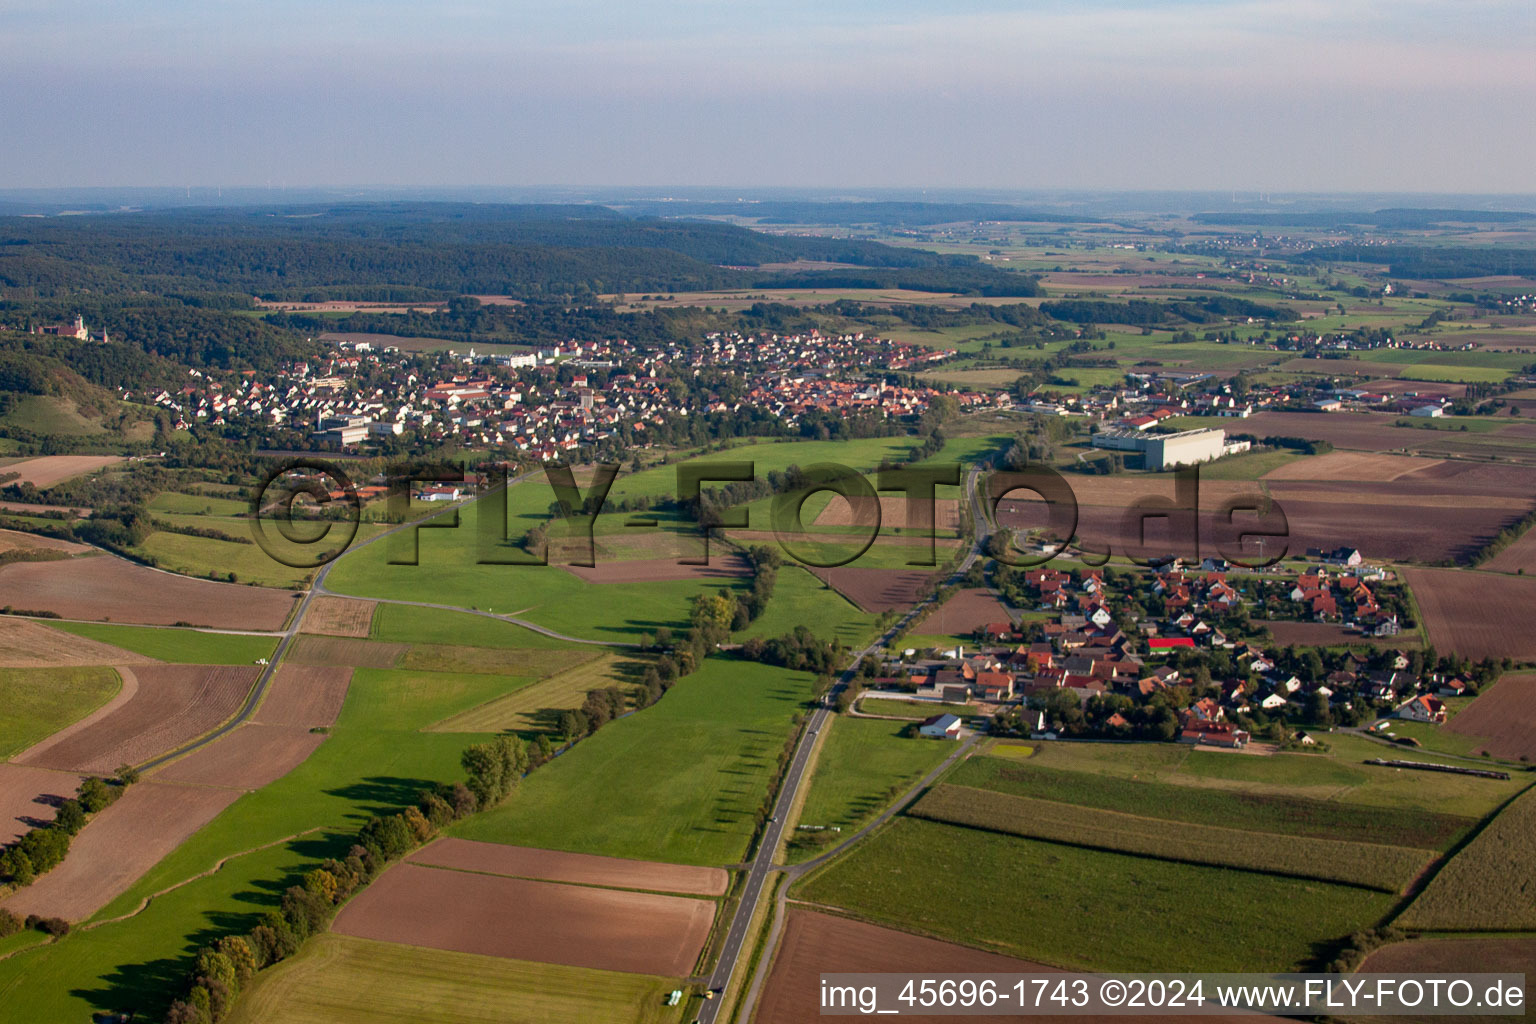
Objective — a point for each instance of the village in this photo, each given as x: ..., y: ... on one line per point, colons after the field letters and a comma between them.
x: 1082, y: 665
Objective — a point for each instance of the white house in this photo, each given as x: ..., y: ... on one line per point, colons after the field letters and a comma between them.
x: 943, y: 727
x: 1423, y: 709
x: 1428, y: 412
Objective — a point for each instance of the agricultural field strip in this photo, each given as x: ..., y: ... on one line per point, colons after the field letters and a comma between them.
x: 655, y: 890
x: 1490, y: 885
x: 1388, y: 868
x: 565, y: 688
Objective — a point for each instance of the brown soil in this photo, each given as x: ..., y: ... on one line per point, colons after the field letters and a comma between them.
x: 1476, y: 614
x: 171, y: 705
x: 14, y: 540
x: 345, y: 652
x: 30, y: 797
x: 107, y: 588
x: 876, y: 590
x: 25, y: 643
x: 1439, y: 957
x: 580, y: 868
x: 304, y: 695
x: 893, y: 513
x: 966, y: 612
x: 1519, y: 557
x: 339, y: 616
x: 117, y: 846
x: 1328, y: 634
x: 1505, y: 717
x: 51, y: 469
x: 518, y: 919
x: 1353, y: 467
x: 250, y: 757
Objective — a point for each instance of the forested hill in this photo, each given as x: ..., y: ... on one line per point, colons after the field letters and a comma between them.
x: 411, y: 251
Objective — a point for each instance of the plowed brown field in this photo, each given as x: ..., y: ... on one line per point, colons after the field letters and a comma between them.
x: 30, y: 797
x: 44, y: 472
x: 1476, y: 614
x: 876, y: 590
x: 580, y: 868
x: 250, y: 757
x: 609, y: 929
x: 1505, y: 717
x: 119, y: 845
x: 172, y: 705
x: 345, y: 652
x: 967, y: 611
x: 304, y: 695
x: 25, y: 643
x: 109, y: 588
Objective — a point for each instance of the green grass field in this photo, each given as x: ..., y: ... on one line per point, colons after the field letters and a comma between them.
x: 1087, y: 909
x: 375, y: 759
x: 536, y: 708
x: 1338, y: 775
x: 35, y: 703
x: 1370, y: 865
x: 202, y: 505
x: 679, y: 781
x: 863, y: 766
x: 184, y: 646
x: 401, y: 623
x: 1276, y: 812
x: 911, y: 709
x: 1248, y: 466
x: 1487, y: 886
x: 801, y: 599
x: 337, y: 979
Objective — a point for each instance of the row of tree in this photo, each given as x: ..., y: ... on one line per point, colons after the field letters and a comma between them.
x: 42, y: 849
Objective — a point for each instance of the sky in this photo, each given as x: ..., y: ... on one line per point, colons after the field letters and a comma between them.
x: 1298, y: 95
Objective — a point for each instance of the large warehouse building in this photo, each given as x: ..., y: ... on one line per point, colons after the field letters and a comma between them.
x: 1163, y: 451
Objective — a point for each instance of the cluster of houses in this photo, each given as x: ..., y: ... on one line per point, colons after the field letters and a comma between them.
x: 1084, y: 653
x: 523, y: 402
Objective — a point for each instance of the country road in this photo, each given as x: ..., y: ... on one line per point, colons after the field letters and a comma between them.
x: 762, y: 865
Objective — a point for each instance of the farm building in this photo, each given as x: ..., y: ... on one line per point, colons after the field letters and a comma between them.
x: 1423, y: 709
x: 943, y: 727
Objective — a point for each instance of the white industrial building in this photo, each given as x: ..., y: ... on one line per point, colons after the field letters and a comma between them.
x: 1163, y: 451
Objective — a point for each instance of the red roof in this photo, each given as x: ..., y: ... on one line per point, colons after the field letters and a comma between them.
x: 1170, y: 643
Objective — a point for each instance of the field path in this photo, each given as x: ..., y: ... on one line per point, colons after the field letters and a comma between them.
x: 125, y: 694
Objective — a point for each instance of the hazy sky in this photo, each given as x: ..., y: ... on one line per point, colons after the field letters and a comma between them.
x: 1246, y: 94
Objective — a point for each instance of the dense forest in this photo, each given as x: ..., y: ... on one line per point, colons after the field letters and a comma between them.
x: 1145, y: 313
x: 1396, y: 218
x: 1433, y: 262
x: 447, y: 249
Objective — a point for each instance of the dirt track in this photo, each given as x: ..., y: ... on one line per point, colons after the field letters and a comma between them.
x: 103, y: 587
x: 117, y: 846
x: 171, y: 705
x: 521, y: 920
x: 580, y: 868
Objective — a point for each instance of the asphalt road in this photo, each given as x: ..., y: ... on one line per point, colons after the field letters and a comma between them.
x: 762, y: 865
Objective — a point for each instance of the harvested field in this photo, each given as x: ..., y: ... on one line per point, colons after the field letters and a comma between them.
x: 1504, y: 717
x: 1352, y: 466
x: 345, y: 652
x: 1369, y: 865
x: 582, y: 926
x: 1476, y: 614
x: 1490, y: 885
x: 537, y: 707
x: 814, y: 943
x: 893, y: 513
x: 339, y: 616
x: 25, y: 643
x: 578, y: 868
x: 108, y: 588
x: 118, y: 845
x: 304, y: 695
x: 876, y: 590
x: 650, y: 570
x: 1330, y: 634
x: 30, y: 797
x: 967, y: 611
x: 250, y: 757
x: 15, y: 540
x: 44, y: 472
x: 169, y: 705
